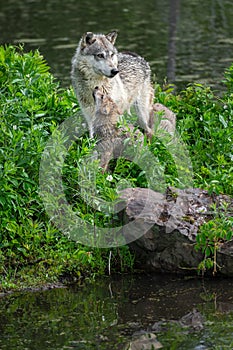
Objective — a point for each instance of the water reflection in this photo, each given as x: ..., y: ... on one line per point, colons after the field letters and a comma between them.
x: 183, y: 40
x: 106, y: 314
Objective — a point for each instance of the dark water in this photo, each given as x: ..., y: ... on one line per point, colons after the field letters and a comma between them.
x: 186, y: 41
x: 106, y: 314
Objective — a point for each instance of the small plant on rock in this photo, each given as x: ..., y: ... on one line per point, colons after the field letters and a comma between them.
x: 210, y: 239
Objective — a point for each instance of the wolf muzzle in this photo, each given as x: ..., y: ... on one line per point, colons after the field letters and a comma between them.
x: 114, y: 72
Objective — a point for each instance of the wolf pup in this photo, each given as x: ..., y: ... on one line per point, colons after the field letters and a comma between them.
x: 105, y: 127
x: 106, y: 116
x: 110, y: 138
x: 125, y: 77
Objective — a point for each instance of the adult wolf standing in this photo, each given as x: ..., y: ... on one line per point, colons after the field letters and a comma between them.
x: 125, y: 77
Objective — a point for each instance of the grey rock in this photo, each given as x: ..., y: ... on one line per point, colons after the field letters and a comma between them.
x: 193, y: 321
x: 173, y: 221
x: 144, y: 342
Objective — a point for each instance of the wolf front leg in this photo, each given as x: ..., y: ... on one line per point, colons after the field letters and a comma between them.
x: 144, y: 108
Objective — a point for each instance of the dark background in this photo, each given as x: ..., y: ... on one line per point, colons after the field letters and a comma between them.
x: 184, y: 41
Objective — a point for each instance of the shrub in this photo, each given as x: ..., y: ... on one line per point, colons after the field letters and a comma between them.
x: 205, y: 123
x: 32, y: 106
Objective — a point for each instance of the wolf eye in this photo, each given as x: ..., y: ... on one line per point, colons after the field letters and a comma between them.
x: 100, y: 55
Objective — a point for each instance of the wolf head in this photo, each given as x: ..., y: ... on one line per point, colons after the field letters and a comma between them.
x: 104, y: 105
x: 101, y: 52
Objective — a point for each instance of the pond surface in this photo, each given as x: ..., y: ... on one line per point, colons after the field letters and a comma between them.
x: 185, y: 41
x: 111, y: 312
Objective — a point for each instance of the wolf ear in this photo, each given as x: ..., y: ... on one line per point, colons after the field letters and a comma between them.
x: 87, y: 39
x: 112, y: 36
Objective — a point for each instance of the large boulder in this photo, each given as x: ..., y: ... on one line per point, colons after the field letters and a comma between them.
x: 173, y: 221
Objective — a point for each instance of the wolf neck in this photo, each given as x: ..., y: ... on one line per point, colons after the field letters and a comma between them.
x: 90, y: 79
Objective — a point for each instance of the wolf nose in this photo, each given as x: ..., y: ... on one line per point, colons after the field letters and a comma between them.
x: 114, y: 71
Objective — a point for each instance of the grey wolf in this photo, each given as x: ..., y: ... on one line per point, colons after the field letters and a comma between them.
x: 110, y: 138
x: 106, y: 116
x: 105, y: 126
x: 125, y: 77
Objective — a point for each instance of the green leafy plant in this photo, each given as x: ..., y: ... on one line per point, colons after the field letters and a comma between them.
x: 205, y: 124
x: 210, y: 238
x: 32, y: 106
x: 33, y: 251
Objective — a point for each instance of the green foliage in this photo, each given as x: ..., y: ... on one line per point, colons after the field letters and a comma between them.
x: 228, y: 81
x: 211, y: 236
x: 205, y: 123
x: 32, y: 106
